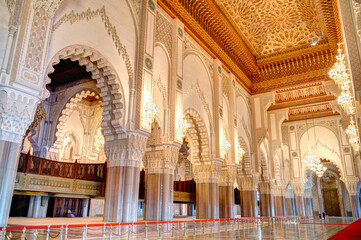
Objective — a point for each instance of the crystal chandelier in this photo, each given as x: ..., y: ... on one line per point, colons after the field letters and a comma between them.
x: 345, y: 99
x: 314, y: 163
x: 225, y: 145
x: 351, y: 132
x: 150, y: 110
x: 181, y: 126
x: 240, y: 152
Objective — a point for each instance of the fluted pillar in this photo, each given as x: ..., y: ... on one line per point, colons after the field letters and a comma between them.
x: 266, y: 198
x: 207, y: 189
x: 160, y: 162
x: 121, y: 196
x: 248, y: 190
x: 300, y: 203
x: 226, y: 191
x: 352, y: 190
x: 278, y: 201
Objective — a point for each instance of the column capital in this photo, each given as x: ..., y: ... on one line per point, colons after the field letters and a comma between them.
x: 208, y: 172
x: 162, y: 158
x: 266, y: 187
x: 127, y: 151
x: 299, y: 188
x: 16, y: 113
x: 278, y: 190
x: 248, y: 182
x: 228, y: 175
x: 351, y: 187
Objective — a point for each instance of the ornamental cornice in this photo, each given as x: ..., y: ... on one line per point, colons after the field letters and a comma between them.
x: 126, y: 152
x: 161, y: 158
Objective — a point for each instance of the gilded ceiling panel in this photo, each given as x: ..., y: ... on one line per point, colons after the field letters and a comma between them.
x: 274, y: 26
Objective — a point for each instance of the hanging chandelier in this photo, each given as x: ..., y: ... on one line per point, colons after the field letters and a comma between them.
x: 240, y: 152
x: 351, y: 132
x: 314, y: 163
x: 99, y: 139
x: 181, y: 126
x: 225, y: 145
x: 346, y: 99
x: 150, y: 109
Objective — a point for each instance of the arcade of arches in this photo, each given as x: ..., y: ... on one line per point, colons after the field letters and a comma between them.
x: 149, y: 109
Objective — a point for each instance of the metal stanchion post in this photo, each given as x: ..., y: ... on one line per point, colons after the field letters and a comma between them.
x: 47, y: 233
x: 212, y: 226
x: 194, y: 228
x: 3, y: 233
x: 66, y: 231
x: 202, y: 226
x: 23, y: 234
x: 160, y: 229
x: 172, y: 230
x: 118, y: 228
x: 185, y: 229
x: 129, y: 232
x: 146, y: 231
x: 110, y: 233
x: 61, y: 233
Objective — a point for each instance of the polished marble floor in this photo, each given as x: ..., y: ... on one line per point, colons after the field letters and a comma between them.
x: 311, y: 229
x: 307, y: 229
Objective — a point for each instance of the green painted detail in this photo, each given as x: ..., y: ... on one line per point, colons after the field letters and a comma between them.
x: 151, y: 5
x: 148, y: 63
x: 221, y: 112
x: 180, y: 32
x: 292, y: 128
x: 346, y: 150
x: 50, y: 183
x: 179, y: 84
x: 219, y: 69
x: 235, y: 122
x: 294, y: 154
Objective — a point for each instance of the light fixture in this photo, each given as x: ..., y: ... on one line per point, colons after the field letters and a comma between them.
x: 150, y: 109
x: 225, y: 145
x: 351, y: 132
x: 99, y: 139
x: 240, y: 152
x: 181, y: 126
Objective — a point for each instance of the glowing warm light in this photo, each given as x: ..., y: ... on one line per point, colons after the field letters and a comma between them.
x: 181, y: 126
x: 314, y: 163
x: 150, y: 109
x: 225, y: 145
x: 240, y: 152
x: 351, y: 132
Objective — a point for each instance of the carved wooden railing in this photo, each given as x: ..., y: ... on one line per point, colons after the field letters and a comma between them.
x: 185, y: 186
x: 42, y: 166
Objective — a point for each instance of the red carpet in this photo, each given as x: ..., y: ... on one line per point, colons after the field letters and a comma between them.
x: 351, y: 232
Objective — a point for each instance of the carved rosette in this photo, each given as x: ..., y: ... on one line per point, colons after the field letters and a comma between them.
x: 248, y: 182
x: 126, y: 152
x: 208, y: 172
x: 162, y: 159
x: 16, y: 114
x: 228, y: 175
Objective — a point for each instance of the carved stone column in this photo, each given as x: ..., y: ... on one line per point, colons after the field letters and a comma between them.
x: 248, y: 189
x: 352, y: 190
x: 300, y: 203
x: 266, y: 198
x: 226, y: 191
x: 124, y: 157
x: 278, y: 201
x: 160, y: 162
x: 207, y: 193
x: 16, y: 114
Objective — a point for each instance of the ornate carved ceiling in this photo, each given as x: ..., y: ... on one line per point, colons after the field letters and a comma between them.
x: 266, y: 44
x: 274, y: 26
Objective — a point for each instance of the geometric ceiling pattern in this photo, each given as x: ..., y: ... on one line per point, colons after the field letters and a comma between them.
x: 274, y: 26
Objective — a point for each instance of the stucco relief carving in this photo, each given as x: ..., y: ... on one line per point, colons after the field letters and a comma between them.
x: 73, y: 17
x: 208, y: 172
x: 228, y: 176
x: 248, y: 182
x: 108, y: 82
x: 49, y: 6
x: 164, y: 32
x: 352, y: 187
x: 266, y: 187
x: 127, y: 151
x: 16, y: 114
x: 162, y: 159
